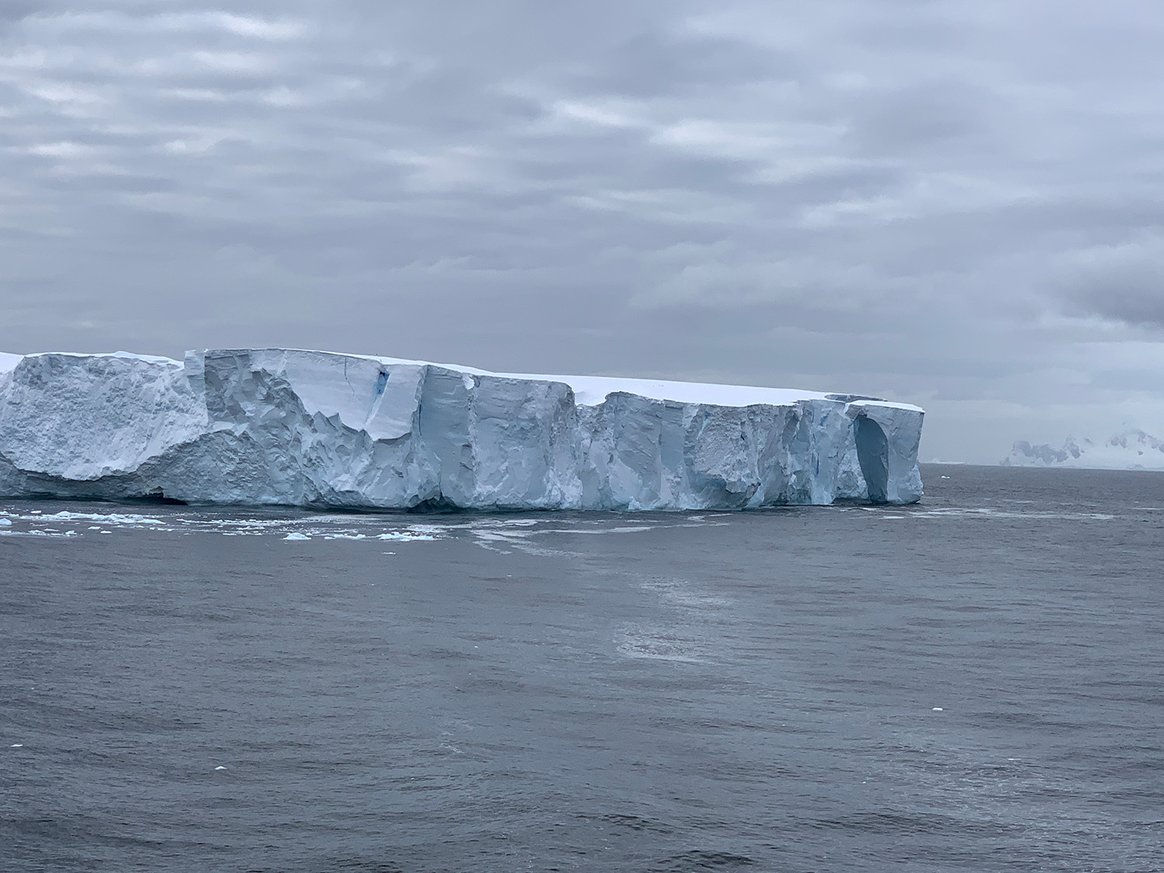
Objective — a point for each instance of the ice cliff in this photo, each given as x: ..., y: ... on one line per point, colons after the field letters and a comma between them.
x: 303, y: 428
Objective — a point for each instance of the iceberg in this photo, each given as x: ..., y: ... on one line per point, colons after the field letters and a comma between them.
x: 319, y: 429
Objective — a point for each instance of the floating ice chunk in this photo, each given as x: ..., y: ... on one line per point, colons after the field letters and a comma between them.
x: 114, y: 518
x: 46, y: 534
x: 17, y: 746
x: 296, y: 537
x: 4, y: 522
x: 937, y: 709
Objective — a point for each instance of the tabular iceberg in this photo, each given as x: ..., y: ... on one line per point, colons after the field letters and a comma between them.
x: 305, y: 428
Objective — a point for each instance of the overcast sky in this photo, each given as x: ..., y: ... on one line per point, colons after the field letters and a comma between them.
x: 958, y: 204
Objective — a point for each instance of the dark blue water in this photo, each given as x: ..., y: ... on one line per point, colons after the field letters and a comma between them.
x: 976, y: 683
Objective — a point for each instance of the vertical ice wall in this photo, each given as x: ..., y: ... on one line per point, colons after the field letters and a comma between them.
x: 275, y: 426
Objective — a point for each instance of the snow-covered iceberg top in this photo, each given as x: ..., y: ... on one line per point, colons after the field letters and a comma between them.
x: 279, y: 426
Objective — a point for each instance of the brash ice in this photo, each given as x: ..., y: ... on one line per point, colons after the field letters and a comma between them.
x: 307, y: 428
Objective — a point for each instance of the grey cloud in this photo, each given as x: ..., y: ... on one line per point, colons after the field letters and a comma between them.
x: 935, y: 200
x: 664, y: 63
x: 1123, y: 283
x: 451, y: 102
x: 16, y: 10
x: 924, y: 116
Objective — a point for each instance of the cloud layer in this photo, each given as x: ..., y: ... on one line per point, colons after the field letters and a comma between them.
x: 956, y: 204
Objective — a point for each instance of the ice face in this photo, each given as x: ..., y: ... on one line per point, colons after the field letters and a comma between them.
x: 277, y: 426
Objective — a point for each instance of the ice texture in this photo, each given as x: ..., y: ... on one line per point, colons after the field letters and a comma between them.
x: 307, y: 428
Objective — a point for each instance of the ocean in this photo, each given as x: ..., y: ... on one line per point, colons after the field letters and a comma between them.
x: 972, y: 683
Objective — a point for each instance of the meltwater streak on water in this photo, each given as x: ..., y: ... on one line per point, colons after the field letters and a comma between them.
x: 969, y: 684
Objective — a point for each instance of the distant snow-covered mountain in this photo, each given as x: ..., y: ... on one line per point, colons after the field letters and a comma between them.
x: 1131, y: 450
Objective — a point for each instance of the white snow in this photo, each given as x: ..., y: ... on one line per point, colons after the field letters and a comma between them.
x: 1132, y: 449
x: 884, y: 404
x: 593, y: 390
x: 131, y: 356
x: 278, y: 426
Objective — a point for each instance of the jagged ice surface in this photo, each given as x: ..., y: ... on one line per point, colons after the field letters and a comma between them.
x: 275, y: 426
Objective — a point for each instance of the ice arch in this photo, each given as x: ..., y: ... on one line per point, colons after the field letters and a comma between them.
x: 873, y: 455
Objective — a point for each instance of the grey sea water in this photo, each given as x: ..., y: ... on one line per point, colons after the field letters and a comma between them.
x: 974, y: 683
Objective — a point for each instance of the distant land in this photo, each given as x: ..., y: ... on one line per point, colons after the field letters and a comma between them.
x: 1130, y: 450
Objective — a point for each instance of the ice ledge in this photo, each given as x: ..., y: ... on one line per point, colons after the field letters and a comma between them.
x: 298, y: 427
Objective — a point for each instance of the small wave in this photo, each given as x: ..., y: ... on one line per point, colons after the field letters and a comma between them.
x: 993, y: 512
x: 651, y: 644
x: 680, y: 593
x: 635, y: 823
x: 504, y: 522
x: 892, y: 823
x: 698, y: 859
x: 627, y: 528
